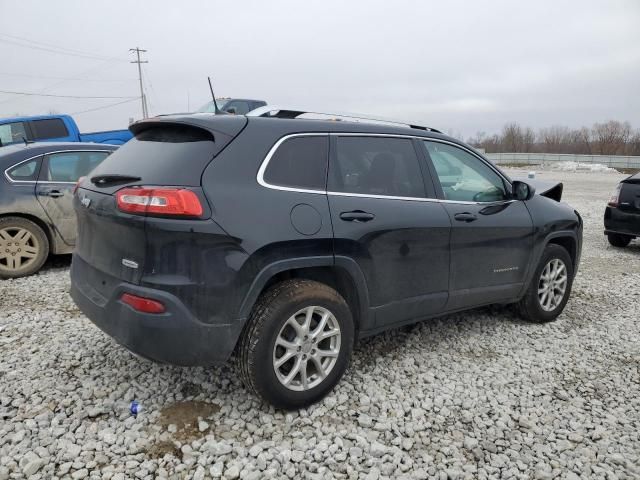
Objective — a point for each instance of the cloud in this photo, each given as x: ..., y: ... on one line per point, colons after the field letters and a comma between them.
x: 468, y: 66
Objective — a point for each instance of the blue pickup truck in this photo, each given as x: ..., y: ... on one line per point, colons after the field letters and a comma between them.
x: 54, y: 128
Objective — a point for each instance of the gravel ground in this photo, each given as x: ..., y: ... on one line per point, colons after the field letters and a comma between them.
x: 473, y: 395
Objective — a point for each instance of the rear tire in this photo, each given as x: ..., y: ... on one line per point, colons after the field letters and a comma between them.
x: 550, y: 286
x: 24, y: 247
x: 618, y: 240
x: 297, y: 343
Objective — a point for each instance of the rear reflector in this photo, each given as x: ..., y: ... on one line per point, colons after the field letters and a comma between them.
x: 160, y: 201
x: 141, y: 304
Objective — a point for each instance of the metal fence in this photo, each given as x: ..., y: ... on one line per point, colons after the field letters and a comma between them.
x: 614, y: 161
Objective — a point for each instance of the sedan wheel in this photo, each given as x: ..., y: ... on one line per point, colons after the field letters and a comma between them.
x: 24, y: 247
x: 18, y: 248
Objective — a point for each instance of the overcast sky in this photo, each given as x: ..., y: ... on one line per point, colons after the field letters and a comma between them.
x: 462, y: 66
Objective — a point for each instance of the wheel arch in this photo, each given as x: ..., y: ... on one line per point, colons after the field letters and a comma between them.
x: 567, y: 241
x: 341, y: 274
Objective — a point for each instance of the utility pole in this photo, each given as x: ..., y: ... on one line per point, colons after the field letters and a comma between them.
x: 143, y: 98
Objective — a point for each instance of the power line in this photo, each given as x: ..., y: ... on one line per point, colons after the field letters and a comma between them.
x: 104, y: 106
x: 45, y: 77
x: 26, y: 43
x: 143, y: 99
x: 53, y: 85
x: 59, y: 96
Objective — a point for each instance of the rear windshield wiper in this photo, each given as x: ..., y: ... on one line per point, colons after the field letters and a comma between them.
x: 114, y: 178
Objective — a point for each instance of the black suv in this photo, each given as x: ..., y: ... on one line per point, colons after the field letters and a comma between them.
x: 284, y: 239
x: 622, y: 215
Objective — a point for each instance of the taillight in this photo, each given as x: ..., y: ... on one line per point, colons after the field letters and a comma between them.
x: 614, y: 199
x: 77, y: 185
x: 159, y: 201
x: 142, y: 304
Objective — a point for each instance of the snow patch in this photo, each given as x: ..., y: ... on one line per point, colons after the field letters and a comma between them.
x: 581, y: 167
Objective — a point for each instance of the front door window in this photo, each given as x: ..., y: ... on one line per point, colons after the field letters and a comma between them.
x: 464, y: 177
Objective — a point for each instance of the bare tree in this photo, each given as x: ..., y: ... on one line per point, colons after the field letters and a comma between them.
x: 528, y: 139
x: 512, y: 137
x: 611, y: 138
x: 555, y: 139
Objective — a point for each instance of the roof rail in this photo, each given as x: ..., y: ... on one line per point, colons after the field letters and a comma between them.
x: 272, y: 111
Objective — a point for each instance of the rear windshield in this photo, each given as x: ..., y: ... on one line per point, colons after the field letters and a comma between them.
x: 166, y: 155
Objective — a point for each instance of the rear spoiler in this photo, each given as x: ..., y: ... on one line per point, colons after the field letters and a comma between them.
x: 227, y: 125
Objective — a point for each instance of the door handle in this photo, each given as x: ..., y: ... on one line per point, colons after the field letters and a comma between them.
x: 465, y: 217
x: 51, y: 193
x: 357, y: 216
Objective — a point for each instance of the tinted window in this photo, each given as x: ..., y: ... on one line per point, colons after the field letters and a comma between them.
x: 12, y: 133
x: 300, y: 162
x: 25, y: 171
x: 240, y: 107
x: 51, y: 128
x: 70, y: 166
x: 463, y: 176
x: 376, y: 166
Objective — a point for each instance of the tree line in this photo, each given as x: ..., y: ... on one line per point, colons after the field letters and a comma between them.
x: 609, y: 138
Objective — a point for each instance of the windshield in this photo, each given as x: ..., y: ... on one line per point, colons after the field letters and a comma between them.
x: 210, y: 108
x: 12, y: 133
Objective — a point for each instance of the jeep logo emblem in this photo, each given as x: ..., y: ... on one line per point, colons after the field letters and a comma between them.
x: 85, y: 202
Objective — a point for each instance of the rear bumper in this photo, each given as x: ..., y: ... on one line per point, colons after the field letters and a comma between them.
x: 174, y: 337
x: 620, y: 222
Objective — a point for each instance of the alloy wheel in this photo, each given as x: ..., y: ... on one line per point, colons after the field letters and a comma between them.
x: 552, y: 285
x: 306, y: 348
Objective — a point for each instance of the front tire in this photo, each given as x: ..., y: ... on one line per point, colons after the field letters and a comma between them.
x: 24, y: 247
x: 297, y: 343
x: 550, y: 286
x: 618, y: 240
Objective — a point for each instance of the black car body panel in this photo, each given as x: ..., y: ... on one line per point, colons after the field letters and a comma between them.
x: 396, y: 258
x: 624, y: 218
x: 38, y: 198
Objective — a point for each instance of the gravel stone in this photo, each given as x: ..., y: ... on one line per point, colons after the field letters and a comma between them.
x: 474, y: 395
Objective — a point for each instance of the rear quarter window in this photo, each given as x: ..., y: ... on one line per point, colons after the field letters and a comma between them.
x: 27, y: 171
x: 299, y: 162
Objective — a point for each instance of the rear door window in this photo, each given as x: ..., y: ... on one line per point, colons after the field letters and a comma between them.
x: 300, y: 163
x: 49, y: 128
x: 376, y: 166
x: 68, y: 167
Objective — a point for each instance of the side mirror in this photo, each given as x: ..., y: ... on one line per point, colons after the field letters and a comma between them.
x: 231, y: 110
x: 522, y: 191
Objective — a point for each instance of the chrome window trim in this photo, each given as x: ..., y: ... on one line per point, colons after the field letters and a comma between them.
x: 11, y: 180
x: 272, y: 151
x: 260, y: 176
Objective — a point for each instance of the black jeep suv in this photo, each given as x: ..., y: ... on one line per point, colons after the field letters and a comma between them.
x: 283, y: 239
